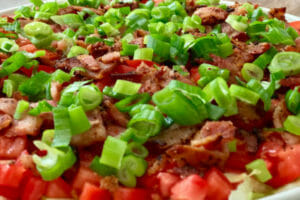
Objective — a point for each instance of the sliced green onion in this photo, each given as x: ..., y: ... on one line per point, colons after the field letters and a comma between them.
x: 244, y: 94
x: 287, y: 62
x: 252, y: 71
x: 210, y: 72
x: 277, y: 35
x: 239, y: 23
x: 126, y: 177
x: 193, y: 22
x: 101, y: 169
x: 263, y: 60
x: 89, y: 97
x: 48, y: 136
x: 260, y: 169
x: 143, y: 54
x: 161, y: 13
x: 43, y: 106
x: 108, y: 91
x: 113, y: 152
x: 71, y: 20
x: 161, y: 49
x: 55, y: 162
x: 126, y: 104
x: 221, y: 94
x: 9, y: 87
x: 292, y: 124
x: 76, y: 51
x: 127, y: 134
x: 137, y: 149
x: 147, y: 122
x: 8, y: 45
x: 128, y: 49
x: 292, y: 99
x: 232, y: 145
x: 61, y: 76
x: 22, y: 107
x: 265, y: 96
x: 62, y: 127
x: 67, y: 96
x: 135, y: 165
x: 109, y: 30
x: 126, y: 87
x: 139, y: 108
x: 214, y: 112
x: 78, y: 120
x: 292, y: 32
x: 12, y: 64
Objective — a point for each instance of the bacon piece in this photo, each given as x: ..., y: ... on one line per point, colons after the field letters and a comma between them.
x: 280, y: 113
x: 5, y: 121
x: 89, y: 62
x: 111, y: 57
x: 55, y: 90
x: 97, y: 133
x: 75, y: 9
x: 11, y: 148
x: 28, y: 125
x: 174, y: 135
x: 117, y: 116
x: 153, y: 79
x: 8, y: 106
x: 220, y: 129
x: 290, y: 82
x: 211, y: 15
x: 278, y: 13
x: 197, y: 157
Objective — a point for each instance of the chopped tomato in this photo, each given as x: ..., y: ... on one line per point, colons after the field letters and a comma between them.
x: 34, y: 189
x: 122, y: 69
x: 238, y: 160
x: 136, y: 63
x: 287, y: 167
x: 91, y: 192
x: 195, y: 74
x: 84, y: 175
x: 192, y: 187
x: 217, y: 184
x: 148, y: 181
x: 58, y: 188
x: 11, y: 175
x: 131, y: 194
x: 12, y: 147
x: 167, y: 181
x: 296, y: 25
x: 28, y: 72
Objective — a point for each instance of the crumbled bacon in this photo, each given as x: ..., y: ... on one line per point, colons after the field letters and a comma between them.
x: 117, y: 116
x: 97, y: 133
x: 75, y: 9
x: 220, y: 129
x: 5, y: 121
x: 211, y: 15
x: 89, y: 62
x: 111, y: 57
x: 280, y: 112
x: 11, y: 148
x: 8, y: 106
x: 278, y: 13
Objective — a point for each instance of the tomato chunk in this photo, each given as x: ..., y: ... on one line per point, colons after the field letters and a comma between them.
x: 85, y: 175
x: 217, y: 184
x: 58, y: 188
x: 195, y: 74
x: 11, y: 175
x: 34, y: 189
x: 136, y: 63
x: 91, y: 192
x: 131, y: 194
x: 296, y: 25
x: 192, y: 187
x: 167, y: 181
x: 12, y: 147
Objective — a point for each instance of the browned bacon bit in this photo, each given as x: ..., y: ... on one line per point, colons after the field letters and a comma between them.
x: 5, y: 121
x: 174, y: 135
x: 111, y: 57
x: 75, y: 9
x: 154, y: 79
x: 8, y: 105
x: 89, y: 62
x: 55, y: 90
x: 97, y: 133
x: 116, y: 115
x: 28, y: 125
x: 197, y: 156
x: 109, y: 183
x: 280, y: 112
x: 132, y: 5
x: 278, y: 13
x: 157, y: 164
x: 290, y: 82
x: 211, y: 15
x: 221, y: 129
x: 11, y: 147
x: 98, y: 49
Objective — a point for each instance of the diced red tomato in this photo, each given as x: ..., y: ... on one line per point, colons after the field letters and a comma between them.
x: 296, y: 25
x: 28, y: 72
x: 84, y: 175
x: 91, y: 192
x: 11, y: 175
x: 131, y: 194
x: 195, y: 74
x: 287, y: 167
x: 58, y: 188
x: 136, y: 63
x: 12, y: 147
x: 34, y: 189
x: 237, y: 160
x: 167, y: 181
x: 148, y: 181
x: 217, y: 184
x: 122, y: 69
x: 192, y: 187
